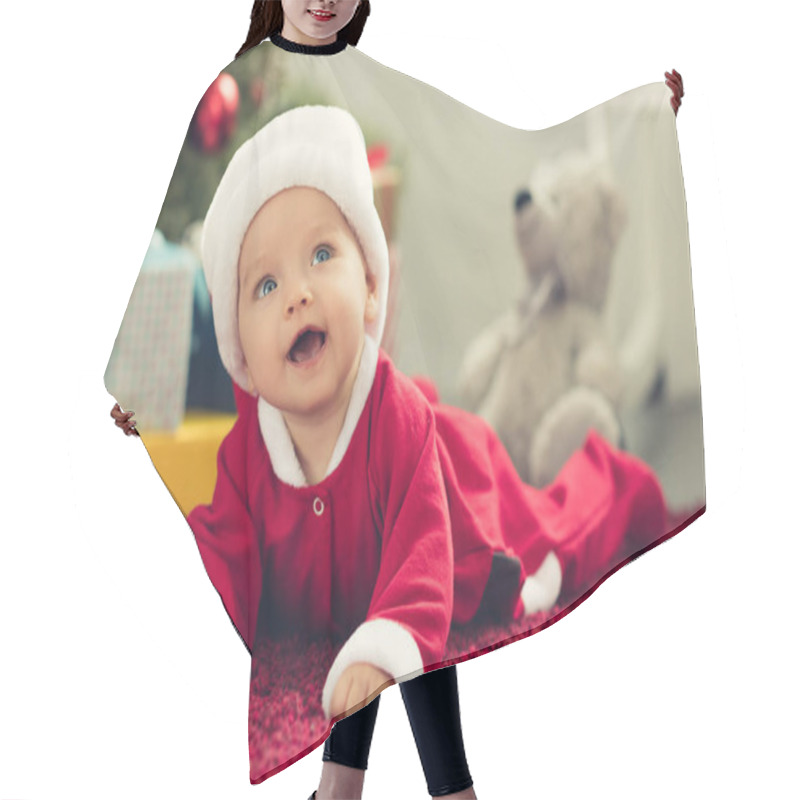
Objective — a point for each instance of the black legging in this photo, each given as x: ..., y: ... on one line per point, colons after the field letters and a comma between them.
x: 432, y: 706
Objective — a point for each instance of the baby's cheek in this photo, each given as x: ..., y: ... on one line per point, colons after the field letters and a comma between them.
x: 258, y: 343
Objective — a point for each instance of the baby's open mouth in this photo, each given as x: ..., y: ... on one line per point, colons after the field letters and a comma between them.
x: 307, y: 346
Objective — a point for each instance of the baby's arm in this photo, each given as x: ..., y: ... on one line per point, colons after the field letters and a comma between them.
x: 227, y: 538
x: 412, y: 602
x: 356, y: 687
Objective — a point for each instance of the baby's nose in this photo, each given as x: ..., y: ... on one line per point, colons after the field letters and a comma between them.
x: 302, y: 298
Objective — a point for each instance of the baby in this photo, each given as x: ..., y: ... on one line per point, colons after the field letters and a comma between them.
x: 349, y: 501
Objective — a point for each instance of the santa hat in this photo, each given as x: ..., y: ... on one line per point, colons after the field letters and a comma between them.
x: 317, y: 146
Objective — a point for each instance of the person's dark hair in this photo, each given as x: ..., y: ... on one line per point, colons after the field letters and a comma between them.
x: 266, y: 19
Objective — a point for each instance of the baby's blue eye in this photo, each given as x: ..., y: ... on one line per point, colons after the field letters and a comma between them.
x: 264, y: 283
x: 323, y: 250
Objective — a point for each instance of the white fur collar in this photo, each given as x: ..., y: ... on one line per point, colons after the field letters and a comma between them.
x: 276, y: 435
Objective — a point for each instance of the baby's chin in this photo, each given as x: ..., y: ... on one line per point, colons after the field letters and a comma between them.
x: 299, y: 402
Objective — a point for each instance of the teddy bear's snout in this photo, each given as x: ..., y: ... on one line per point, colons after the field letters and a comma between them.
x: 522, y: 199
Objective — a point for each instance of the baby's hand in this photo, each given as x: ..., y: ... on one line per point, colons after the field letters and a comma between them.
x: 357, y: 683
x: 123, y: 419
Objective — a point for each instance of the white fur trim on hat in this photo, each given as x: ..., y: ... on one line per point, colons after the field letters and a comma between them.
x: 318, y: 146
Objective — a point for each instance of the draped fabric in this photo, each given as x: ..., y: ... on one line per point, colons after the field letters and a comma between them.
x: 529, y: 422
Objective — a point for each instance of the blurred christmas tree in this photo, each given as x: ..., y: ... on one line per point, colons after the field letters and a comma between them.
x: 242, y: 99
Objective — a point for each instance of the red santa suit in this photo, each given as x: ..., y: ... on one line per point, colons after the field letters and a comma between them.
x: 420, y: 522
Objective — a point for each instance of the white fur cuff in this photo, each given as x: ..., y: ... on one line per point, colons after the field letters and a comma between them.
x: 384, y: 644
x: 540, y: 591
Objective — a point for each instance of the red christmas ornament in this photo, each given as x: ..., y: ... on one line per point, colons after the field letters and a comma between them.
x: 214, y: 119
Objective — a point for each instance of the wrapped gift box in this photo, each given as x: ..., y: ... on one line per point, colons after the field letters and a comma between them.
x: 148, y: 372
x: 149, y: 365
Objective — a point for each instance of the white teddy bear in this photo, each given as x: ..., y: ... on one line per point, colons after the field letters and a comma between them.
x: 544, y: 373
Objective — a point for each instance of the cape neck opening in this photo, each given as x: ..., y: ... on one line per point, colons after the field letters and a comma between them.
x: 308, y: 49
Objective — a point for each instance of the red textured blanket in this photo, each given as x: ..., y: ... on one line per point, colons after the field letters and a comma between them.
x: 285, y: 712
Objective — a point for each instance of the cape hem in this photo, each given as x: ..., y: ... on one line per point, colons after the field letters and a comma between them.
x: 489, y: 648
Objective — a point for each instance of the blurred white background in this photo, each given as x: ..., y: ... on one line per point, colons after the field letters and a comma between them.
x: 120, y: 674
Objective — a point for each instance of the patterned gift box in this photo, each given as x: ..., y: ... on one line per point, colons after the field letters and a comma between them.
x: 149, y: 365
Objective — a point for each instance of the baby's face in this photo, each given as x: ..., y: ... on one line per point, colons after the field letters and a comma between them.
x: 301, y: 266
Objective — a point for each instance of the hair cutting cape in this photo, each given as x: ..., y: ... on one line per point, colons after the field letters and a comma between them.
x: 529, y: 423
